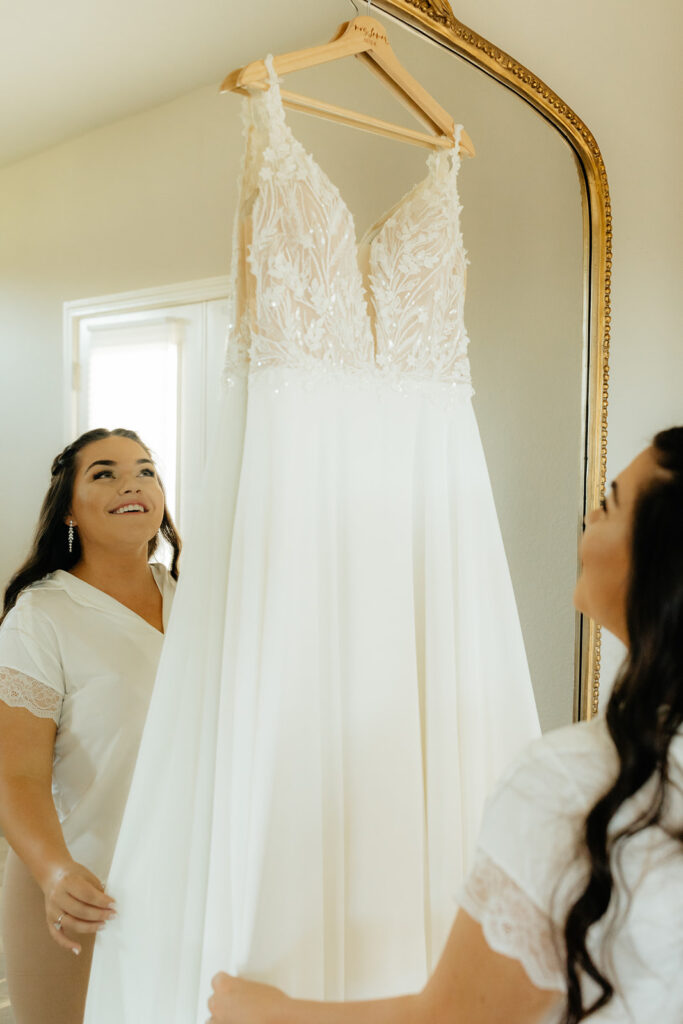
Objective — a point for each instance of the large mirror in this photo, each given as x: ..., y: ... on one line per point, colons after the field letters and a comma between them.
x: 98, y: 232
x: 536, y: 225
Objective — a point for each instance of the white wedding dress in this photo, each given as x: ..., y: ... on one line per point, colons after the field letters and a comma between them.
x: 344, y: 675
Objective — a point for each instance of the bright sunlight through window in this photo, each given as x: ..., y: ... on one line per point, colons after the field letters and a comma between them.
x: 132, y: 382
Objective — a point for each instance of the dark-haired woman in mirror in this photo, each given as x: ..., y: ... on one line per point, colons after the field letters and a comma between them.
x: 80, y: 639
x: 574, y: 908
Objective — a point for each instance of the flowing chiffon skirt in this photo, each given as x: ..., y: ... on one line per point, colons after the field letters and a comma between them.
x: 343, y: 679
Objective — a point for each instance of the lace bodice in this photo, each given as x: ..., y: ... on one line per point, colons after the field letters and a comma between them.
x: 311, y: 296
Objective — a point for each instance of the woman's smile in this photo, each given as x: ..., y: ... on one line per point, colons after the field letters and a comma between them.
x: 133, y: 507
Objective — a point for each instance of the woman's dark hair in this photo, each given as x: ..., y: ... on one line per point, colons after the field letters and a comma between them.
x: 50, y: 550
x: 645, y: 709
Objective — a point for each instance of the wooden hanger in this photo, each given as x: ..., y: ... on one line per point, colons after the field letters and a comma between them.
x: 365, y: 38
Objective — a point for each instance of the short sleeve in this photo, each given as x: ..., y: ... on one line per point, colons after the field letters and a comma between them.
x: 527, y: 871
x: 512, y: 923
x: 31, y: 674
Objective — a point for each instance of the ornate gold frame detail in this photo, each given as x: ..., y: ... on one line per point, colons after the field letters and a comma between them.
x: 436, y: 19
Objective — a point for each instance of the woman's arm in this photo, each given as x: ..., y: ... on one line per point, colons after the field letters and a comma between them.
x: 27, y: 811
x: 31, y: 826
x: 471, y: 984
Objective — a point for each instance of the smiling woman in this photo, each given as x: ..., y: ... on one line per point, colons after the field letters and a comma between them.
x: 116, y: 501
x: 80, y: 638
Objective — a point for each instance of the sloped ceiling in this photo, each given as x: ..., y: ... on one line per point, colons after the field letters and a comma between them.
x: 70, y: 66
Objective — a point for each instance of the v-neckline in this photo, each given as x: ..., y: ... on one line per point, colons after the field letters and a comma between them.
x: 119, y: 604
x: 373, y: 234
x: 389, y: 215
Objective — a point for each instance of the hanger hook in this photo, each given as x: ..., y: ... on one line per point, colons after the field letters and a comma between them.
x: 368, y: 6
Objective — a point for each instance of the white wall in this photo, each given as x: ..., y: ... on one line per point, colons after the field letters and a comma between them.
x: 617, y: 64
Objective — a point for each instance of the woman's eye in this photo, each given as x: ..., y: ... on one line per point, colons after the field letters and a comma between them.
x: 102, y: 472
x: 147, y: 472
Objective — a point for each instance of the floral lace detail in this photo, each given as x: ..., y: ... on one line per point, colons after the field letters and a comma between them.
x: 512, y: 923
x: 302, y: 302
x: 417, y: 270
x: 236, y: 361
x: 21, y: 691
x: 308, y: 301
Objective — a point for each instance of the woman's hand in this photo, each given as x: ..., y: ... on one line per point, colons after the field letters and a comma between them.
x: 471, y: 983
x: 235, y: 1001
x: 75, y: 902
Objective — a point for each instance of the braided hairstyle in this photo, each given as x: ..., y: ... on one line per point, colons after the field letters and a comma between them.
x: 645, y: 710
x: 50, y: 549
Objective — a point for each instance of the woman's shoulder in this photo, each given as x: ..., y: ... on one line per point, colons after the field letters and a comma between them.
x: 36, y: 600
x: 31, y: 635
x: 545, y: 794
x: 573, y: 761
x: 534, y: 817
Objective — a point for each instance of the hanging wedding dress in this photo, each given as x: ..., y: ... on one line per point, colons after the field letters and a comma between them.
x: 344, y: 674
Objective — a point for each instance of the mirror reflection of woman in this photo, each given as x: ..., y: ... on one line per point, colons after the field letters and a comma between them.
x: 80, y: 639
x: 576, y: 899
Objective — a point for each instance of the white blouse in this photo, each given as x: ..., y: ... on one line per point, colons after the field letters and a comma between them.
x: 530, y: 867
x: 72, y: 653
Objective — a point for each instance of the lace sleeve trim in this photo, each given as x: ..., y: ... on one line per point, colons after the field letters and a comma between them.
x: 512, y: 923
x: 21, y: 691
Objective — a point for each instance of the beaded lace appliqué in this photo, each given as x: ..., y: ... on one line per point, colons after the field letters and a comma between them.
x: 305, y: 306
x: 417, y: 271
x: 22, y: 691
x: 512, y: 924
x: 308, y: 301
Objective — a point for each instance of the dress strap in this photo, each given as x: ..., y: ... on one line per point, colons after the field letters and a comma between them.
x: 455, y: 152
x: 445, y: 163
x: 271, y: 97
x: 269, y: 61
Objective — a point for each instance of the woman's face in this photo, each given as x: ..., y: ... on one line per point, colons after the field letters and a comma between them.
x: 602, y: 587
x: 117, y: 503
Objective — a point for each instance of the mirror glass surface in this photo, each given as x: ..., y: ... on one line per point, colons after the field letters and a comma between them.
x: 522, y: 224
x: 148, y: 201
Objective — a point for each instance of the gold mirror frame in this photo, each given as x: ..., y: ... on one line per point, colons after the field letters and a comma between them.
x: 434, y: 18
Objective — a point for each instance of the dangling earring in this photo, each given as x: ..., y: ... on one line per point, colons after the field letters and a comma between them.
x: 71, y: 537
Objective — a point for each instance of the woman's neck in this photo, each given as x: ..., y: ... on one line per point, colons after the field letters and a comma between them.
x: 117, y: 573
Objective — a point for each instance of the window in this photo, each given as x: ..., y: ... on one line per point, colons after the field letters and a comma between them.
x: 130, y: 378
x: 151, y: 362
